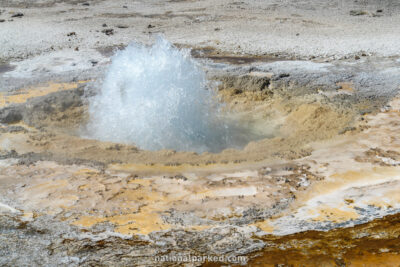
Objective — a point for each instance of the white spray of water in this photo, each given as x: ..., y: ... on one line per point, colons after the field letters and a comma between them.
x: 157, y: 98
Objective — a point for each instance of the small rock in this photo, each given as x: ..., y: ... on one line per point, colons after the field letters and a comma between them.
x: 125, y: 6
x: 94, y: 62
x: 358, y: 12
x: 297, y: 34
x: 122, y: 26
x: 16, y: 129
x: 150, y: 26
x: 347, y: 129
x: 356, y: 57
x: 217, y: 29
x: 10, y: 115
x: 86, y: 4
x: 364, y: 54
x: 237, y: 91
x: 17, y: 15
x: 108, y: 31
x: 71, y: 34
x: 2, y: 20
x: 104, y: 25
x: 76, y: 48
x: 379, y: 11
x: 115, y: 147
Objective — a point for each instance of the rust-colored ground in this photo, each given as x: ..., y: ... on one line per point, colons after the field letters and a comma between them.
x: 376, y: 243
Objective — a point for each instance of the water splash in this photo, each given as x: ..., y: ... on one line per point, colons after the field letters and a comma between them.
x: 157, y: 98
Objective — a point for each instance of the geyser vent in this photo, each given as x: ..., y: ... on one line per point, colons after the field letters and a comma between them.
x: 157, y: 98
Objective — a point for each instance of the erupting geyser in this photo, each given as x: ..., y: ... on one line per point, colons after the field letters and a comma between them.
x: 157, y: 98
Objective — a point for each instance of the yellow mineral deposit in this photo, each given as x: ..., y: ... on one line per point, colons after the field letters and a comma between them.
x: 265, y: 226
x: 22, y: 95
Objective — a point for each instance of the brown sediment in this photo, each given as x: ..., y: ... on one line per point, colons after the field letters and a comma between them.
x: 375, y: 243
x: 216, y: 55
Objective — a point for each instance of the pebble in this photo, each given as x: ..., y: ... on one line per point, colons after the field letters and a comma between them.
x: 17, y: 15
x: 108, y: 31
x: 358, y: 12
